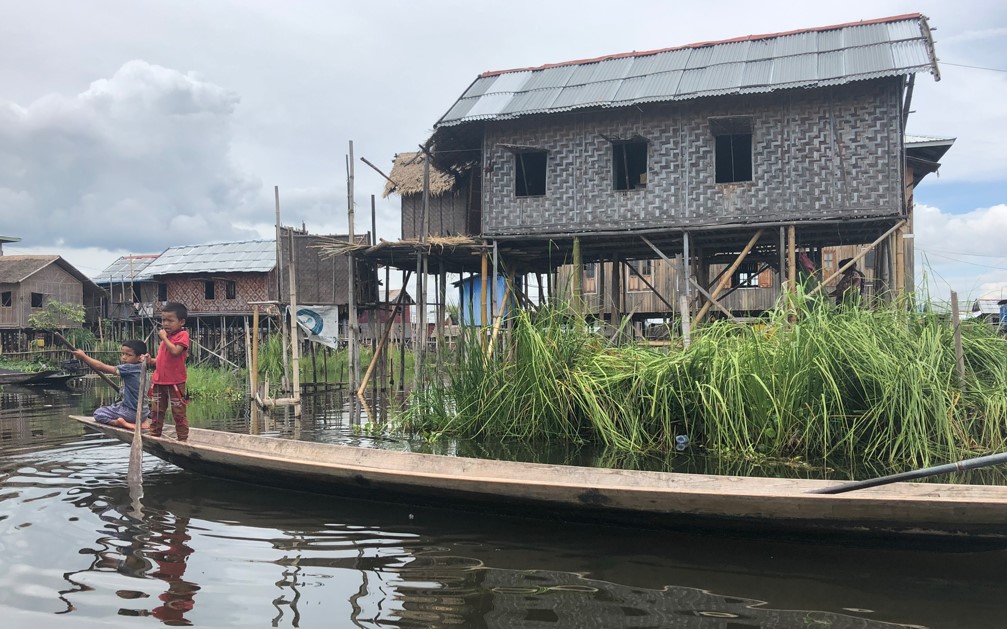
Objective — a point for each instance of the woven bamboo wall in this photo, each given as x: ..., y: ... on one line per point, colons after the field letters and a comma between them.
x: 190, y: 290
x: 448, y: 215
x: 52, y: 282
x: 324, y: 280
x: 817, y: 153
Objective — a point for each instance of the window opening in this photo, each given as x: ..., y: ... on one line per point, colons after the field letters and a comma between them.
x: 643, y: 267
x: 162, y: 292
x: 733, y: 149
x: 208, y: 290
x: 37, y: 300
x: 6, y: 299
x: 747, y: 276
x: 629, y: 164
x: 530, y: 169
x: 230, y: 289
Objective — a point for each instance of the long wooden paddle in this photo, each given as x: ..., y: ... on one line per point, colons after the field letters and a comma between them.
x: 69, y: 345
x: 947, y: 468
x: 134, y: 474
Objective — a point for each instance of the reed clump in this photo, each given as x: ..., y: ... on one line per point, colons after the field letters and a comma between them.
x: 856, y: 384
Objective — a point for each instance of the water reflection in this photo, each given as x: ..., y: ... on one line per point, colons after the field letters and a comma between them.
x: 395, y: 565
x: 75, y: 540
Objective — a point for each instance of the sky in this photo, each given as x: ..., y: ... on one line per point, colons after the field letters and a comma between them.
x: 129, y: 126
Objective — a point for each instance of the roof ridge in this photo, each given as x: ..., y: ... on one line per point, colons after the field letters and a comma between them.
x: 624, y: 55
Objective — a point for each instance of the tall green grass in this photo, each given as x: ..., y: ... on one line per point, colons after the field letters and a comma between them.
x: 330, y: 366
x: 852, y: 384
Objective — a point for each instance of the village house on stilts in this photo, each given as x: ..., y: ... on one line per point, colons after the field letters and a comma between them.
x: 719, y: 162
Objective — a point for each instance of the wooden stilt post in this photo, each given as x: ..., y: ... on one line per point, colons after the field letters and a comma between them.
x: 792, y: 259
x: 483, y: 281
x: 351, y: 298
x: 295, y: 337
x: 615, y: 291
x: 578, y: 278
x: 419, y: 344
x: 686, y: 267
x: 855, y: 259
x: 279, y: 289
x: 725, y: 278
x: 442, y: 295
x: 402, y: 341
x: 384, y: 336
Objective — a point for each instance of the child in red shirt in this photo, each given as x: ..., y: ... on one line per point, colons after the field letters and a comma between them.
x: 169, y: 371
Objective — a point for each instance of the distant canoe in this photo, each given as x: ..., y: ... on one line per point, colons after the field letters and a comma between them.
x: 639, y: 498
x: 49, y: 377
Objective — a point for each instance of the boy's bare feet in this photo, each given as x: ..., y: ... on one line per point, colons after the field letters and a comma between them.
x: 145, y: 425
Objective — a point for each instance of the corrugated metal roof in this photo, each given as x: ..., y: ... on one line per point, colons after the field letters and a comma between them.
x: 830, y: 55
x: 252, y: 256
x: 127, y: 268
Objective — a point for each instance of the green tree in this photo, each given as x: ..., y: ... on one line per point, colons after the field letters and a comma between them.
x: 56, y: 314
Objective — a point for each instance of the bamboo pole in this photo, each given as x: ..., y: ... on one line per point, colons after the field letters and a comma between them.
x: 402, y: 341
x: 792, y: 259
x: 384, y: 338
x: 578, y: 278
x: 496, y: 326
x: 483, y: 314
x: 351, y: 307
x: 442, y: 296
x: 856, y: 258
x: 295, y: 344
x: 279, y: 286
x: 683, y: 307
x: 254, y: 371
x: 726, y: 278
x: 372, y: 314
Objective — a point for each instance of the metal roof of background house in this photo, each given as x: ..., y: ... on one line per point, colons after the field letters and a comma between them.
x: 131, y: 268
x: 249, y: 256
x: 828, y: 55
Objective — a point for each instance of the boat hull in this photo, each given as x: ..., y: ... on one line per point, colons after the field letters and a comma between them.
x: 639, y: 498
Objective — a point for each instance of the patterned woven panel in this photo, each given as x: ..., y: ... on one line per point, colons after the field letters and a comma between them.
x: 823, y: 153
x: 189, y: 290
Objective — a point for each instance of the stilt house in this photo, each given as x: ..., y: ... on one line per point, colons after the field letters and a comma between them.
x: 740, y: 153
x: 28, y: 282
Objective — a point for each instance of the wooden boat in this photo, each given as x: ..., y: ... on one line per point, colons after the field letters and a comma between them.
x: 50, y: 376
x: 640, y: 498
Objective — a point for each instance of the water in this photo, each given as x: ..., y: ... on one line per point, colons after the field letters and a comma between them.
x: 77, y: 550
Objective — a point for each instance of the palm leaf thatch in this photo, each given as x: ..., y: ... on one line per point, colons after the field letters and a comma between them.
x: 407, y: 173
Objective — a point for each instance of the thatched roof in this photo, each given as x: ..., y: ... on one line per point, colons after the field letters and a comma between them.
x: 16, y: 269
x: 407, y: 173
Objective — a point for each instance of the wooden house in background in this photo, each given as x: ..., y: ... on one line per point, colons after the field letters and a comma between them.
x: 222, y: 280
x: 28, y: 282
x: 732, y: 155
x: 132, y: 292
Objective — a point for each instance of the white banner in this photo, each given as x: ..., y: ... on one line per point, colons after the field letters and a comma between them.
x: 320, y: 324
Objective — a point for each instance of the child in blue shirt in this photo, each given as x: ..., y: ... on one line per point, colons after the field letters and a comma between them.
x: 123, y: 412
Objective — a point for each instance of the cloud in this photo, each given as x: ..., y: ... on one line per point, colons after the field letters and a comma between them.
x: 961, y: 252
x: 139, y: 161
